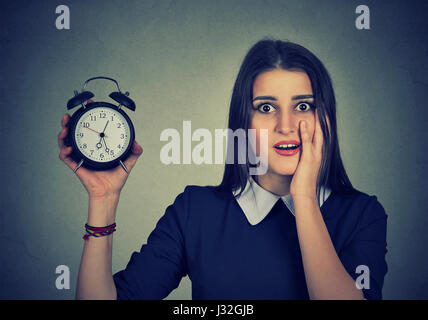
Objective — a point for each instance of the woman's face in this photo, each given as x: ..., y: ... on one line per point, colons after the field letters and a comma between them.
x: 281, y: 99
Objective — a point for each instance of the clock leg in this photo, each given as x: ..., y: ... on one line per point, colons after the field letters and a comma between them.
x: 123, y: 166
x: 78, y: 166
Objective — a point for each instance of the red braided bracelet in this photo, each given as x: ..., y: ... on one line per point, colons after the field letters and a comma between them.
x: 98, y: 231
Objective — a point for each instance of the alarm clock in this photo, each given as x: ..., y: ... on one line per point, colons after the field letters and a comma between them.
x: 100, y: 133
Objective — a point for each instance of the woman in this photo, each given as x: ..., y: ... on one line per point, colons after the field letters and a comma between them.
x: 296, y: 230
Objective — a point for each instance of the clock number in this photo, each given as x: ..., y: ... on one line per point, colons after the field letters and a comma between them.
x: 119, y: 146
x: 84, y: 146
x: 80, y: 134
x: 101, y: 155
x: 86, y: 125
x: 112, y: 153
x: 103, y: 115
x: 122, y: 136
x: 92, y: 152
x: 119, y: 125
x: 93, y: 118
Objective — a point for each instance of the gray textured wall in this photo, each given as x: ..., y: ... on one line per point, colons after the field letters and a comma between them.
x: 179, y: 59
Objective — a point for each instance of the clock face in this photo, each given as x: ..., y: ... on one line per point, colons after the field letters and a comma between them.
x: 102, y: 134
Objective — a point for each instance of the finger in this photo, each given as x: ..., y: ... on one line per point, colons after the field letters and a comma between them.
x: 61, y: 135
x: 304, y: 136
x: 65, y: 120
x: 64, y: 131
x: 65, y: 151
x: 318, y: 135
x: 137, y: 151
x: 64, y: 155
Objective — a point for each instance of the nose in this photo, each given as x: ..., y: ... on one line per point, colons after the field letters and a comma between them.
x: 287, y: 123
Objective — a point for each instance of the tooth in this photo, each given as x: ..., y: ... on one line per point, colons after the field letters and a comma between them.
x: 290, y: 145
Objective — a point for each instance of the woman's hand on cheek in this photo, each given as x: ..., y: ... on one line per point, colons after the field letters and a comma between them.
x: 304, y: 182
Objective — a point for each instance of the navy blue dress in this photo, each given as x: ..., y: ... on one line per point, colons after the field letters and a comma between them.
x: 204, y: 234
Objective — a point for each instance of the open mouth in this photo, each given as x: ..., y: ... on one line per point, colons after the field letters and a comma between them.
x: 286, y: 146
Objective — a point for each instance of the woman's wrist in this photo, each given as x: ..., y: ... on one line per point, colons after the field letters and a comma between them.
x: 304, y: 197
x: 304, y: 202
x: 102, y: 210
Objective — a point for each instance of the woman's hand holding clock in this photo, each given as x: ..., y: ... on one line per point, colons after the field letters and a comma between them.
x: 98, y: 184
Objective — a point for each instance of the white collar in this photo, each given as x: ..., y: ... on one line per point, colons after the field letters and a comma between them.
x: 257, y: 202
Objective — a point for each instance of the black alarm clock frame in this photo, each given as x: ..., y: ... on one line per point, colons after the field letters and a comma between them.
x: 79, y: 99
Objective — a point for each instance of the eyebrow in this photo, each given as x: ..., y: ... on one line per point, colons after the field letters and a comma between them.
x: 303, y: 96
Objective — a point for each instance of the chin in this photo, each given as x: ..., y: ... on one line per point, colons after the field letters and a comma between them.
x: 282, y: 166
x: 283, y: 169
x: 285, y: 166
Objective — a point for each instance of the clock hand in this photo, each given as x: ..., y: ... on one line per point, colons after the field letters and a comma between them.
x: 94, y: 131
x: 107, y: 148
x: 106, y: 126
x: 99, y: 145
x: 102, y: 135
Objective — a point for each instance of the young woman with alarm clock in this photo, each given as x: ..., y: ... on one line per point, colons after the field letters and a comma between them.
x: 298, y: 231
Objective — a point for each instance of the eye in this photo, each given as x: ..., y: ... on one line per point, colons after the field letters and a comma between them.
x: 304, y: 106
x: 265, y: 108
